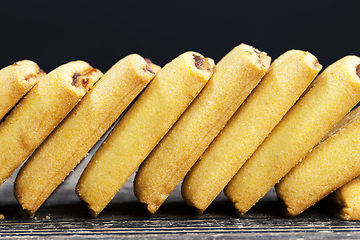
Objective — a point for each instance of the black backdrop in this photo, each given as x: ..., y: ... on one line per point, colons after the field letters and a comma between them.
x: 102, y: 32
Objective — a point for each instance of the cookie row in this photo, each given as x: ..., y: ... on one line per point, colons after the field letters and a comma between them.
x: 240, y: 125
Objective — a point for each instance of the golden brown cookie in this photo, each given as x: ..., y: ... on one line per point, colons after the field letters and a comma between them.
x: 15, y: 81
x: 40, y: 111
x: 234, y: 78
x: 328, y: 166
x: 80, y: 130
x: 142, y: 127
x: 344, y: 202
x: 288, y: 77
x: 335, y: 92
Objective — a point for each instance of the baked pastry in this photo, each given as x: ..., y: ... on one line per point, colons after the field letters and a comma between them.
x: 141, y: 128
x: 344, y: 202
x: 333, y: 94
x: 40, y: 111
x: 15, y: 81
x: 288, y: 77
x: 234, y: 78
x: 328, y: 166
x: 80, y: 130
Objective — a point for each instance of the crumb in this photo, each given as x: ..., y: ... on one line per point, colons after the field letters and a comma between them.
x: 2, y: 216
x: 35, y: 218
x: 47, y: 217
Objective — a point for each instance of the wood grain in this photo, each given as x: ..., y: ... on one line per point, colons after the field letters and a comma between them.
x: 63, y: 217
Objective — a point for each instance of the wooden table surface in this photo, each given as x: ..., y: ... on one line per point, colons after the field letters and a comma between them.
x: 63, y: 216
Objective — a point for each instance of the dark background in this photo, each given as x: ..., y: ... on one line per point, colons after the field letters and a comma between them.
x: 102, y: 32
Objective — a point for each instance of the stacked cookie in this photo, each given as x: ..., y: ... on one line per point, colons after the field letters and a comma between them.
x: 242, y: 125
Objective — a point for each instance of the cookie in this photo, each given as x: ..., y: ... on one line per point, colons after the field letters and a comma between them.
x: 333, y: 94
x: 288, y: 77
x: 234, y: 78
x: 15, y: 81
x: 80, y: 130
x: 344, y: 202
x: 40, y: 111
x: 327, y: 167
x: 141, y: 128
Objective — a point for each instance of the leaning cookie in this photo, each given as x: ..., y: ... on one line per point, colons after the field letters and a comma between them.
x: 40, y: 111
x: 333, y: 94
x: 331, y: 164
x: 344, y: 203
x: 234, y: 78
x: 15, y: 81
x: 80, y: 130
x: 141, y: 128
x: 288, y: 77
